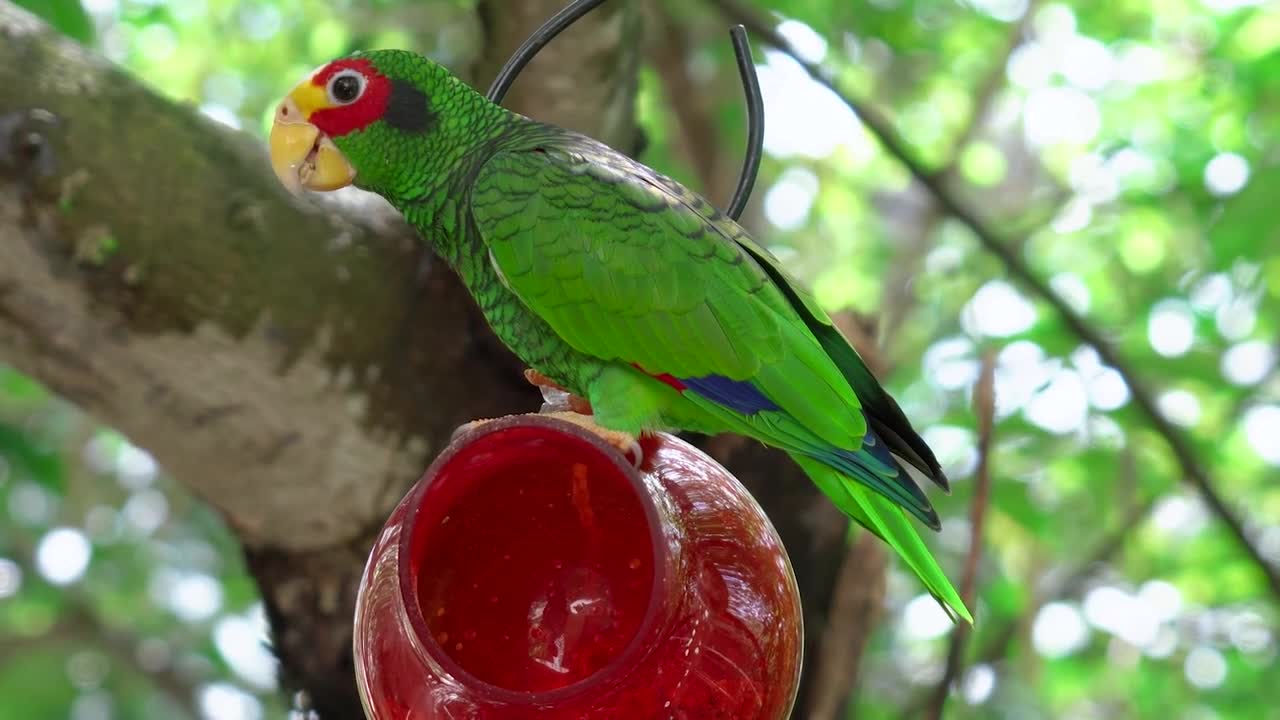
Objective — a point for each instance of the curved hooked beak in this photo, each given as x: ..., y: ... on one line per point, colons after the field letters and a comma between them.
x: 301, y: 155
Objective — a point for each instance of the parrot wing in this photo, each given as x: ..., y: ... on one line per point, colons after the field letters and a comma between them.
x: 626, y: 265
x: 660, y: 252
x: 623, y: 269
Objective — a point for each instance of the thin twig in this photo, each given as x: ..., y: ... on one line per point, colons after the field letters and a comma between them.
x: 1005, y: 251
x: 984, y: 405
x: 1071, y: 583
x: 996, y: 646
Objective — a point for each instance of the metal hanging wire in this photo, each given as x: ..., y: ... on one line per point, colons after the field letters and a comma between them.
x: 746, y: 69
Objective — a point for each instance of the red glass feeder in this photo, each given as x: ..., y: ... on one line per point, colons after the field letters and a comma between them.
x: 534, y: 572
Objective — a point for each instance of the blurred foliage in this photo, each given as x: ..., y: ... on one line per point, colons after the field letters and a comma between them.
x: 1132, y: 148
x: 69, y: 16
x: 121, y: 596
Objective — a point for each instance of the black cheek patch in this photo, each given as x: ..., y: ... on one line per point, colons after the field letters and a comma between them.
x: 407, y: 108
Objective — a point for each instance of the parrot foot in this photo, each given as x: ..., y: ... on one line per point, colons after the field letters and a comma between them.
x: 634, y: 452
x: 624, y: 443
x: 555, y: 397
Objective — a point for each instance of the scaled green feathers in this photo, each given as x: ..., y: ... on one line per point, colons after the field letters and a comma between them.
x: 625, y: 287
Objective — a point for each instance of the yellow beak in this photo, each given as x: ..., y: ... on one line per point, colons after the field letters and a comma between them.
x: 301, y: 155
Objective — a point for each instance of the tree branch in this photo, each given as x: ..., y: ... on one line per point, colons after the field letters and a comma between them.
x: 855, y: 608
x: 1143, y: 398
x: 248, y: 341
x: 984, y: 405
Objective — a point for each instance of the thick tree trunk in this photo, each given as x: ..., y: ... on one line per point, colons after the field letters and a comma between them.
x: 289, y: 361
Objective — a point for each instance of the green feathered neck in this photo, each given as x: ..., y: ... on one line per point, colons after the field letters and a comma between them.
x: 423, y: 151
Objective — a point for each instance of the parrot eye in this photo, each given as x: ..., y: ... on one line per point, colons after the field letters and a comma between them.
x: 345, y: 87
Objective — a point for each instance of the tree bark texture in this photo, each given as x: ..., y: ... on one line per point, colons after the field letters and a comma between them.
x: 296, y: 363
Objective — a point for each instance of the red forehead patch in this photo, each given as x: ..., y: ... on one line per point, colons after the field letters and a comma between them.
x: 361, y: 65
x: 338, y: 120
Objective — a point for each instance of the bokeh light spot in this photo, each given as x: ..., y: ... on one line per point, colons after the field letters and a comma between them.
x: 1226, y: 174
x: 224, y: 701
x: 63, y: 555
x: 983, y: 164
x: 1247, y: 363
x: 807, y: 43
x: 10, y: 578
x: 241, y: 641
x: 923, y: 619
x: 788, y: 202
x: 1180, y: 406
x: 1171, y: 328
x: 1061, y: 407
x: 1262, y: 430
x: 997, y: 310
x: 978, y: 684
x: 1059, y: 630
x: 1205, y: 667
x: 156, y: 42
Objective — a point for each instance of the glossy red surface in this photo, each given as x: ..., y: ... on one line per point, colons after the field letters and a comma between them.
x: 559, y: 561
x: 663, y: 593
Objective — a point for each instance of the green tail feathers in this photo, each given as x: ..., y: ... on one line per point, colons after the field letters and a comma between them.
x: 887, y: 522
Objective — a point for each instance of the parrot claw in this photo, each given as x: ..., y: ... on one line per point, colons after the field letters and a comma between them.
x: 625, y: 443
x: 555, y: 398
x: 634, y: 453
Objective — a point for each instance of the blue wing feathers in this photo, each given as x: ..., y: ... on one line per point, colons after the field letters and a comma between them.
x: 738, y: 395
x: 872, y: 464
x: 876, y: 468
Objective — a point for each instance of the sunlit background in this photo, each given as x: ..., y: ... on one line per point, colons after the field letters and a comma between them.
x: 1131, y: 150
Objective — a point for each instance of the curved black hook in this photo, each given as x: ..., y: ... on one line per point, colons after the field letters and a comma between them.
x: 755, y: 122
x: 535, y: 42
x: 746, y: 68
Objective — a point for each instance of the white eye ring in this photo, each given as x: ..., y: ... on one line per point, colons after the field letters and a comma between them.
x: 341, y: 94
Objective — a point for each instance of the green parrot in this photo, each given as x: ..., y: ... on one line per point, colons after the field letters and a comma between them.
x: 615, y: 282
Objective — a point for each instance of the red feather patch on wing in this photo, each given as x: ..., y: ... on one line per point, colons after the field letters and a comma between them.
x: 666, y: 378
x: 339, y: 120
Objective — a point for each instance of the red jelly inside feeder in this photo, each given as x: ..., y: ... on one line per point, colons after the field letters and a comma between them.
x: 559, y: 564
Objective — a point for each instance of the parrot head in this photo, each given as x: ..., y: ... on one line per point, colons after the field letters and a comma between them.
x: 336, y: 127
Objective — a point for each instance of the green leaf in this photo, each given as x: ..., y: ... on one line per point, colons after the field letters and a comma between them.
x: 1245, y: 228
x: 44, y: 465
x: 40, y: 680
x: 66, y: 16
